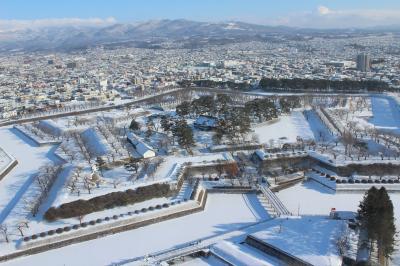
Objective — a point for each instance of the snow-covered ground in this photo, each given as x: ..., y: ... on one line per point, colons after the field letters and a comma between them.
x: 312, y: 239
x: 286, y: 129
x: 386, y: 114
x: 314, y: 199
x: 319, y: 130
x: 223, y: 213
x: 15, y: 184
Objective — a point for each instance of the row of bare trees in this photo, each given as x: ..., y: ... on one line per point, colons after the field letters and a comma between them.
x: 44, y: 181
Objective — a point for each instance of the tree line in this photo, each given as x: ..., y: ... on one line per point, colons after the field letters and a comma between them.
x: 323, y: 85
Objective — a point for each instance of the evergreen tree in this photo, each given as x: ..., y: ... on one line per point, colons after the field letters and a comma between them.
x: 184, y: 134
x: 134, y: 125
x: 183, y: 109
x: 376, y: 215
x: 222, y: 103
x: 166, y: 123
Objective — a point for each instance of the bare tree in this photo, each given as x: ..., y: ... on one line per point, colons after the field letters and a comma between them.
x: 21, y: 226
x: 80, y: 218
x: 4, y: 231
x: 116, y: 182
x: 87, y: 184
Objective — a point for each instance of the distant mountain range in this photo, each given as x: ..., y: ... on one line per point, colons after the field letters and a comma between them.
x: 153, y: 34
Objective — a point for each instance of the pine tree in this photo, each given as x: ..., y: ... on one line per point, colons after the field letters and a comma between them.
x: 183, y: 109
x: 166, y: 123
x: 184, y: 134
x: 134, y: 125
x: 377, y: 217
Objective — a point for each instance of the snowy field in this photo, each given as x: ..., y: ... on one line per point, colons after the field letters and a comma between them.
x: 223, y: 213
x: 17, y: 184
x: 314, y: 199
x: 319, y: 130
x: 312, y: 239
x: 286, y: 129
x: 30, y: 158
x: 386, y: 114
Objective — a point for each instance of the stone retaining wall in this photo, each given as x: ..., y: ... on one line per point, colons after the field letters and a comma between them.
x: 202, y: 199
x: 8, y: 169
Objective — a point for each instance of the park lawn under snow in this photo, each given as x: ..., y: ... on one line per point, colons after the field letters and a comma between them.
x: 223, y: 213
x: 312, y: 198
x: 319, y: 130
x: 18, y: 182
x: 312, y: 239
x: 386, y: 114
x: 286, y: 129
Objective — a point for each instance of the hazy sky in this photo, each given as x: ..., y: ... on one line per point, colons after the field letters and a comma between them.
x: 302, y: 13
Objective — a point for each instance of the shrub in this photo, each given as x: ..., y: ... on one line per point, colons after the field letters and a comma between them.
x: 364, y: 181
x: 344, y: 181
x: 108, y: 201
x: 332, y: 178
x: 33, y: 237
x: 27, y: 238
x: 42, y: 234
x: 67, y: 229
x: 396, y: 181
x: 370, y: 181
x: 84, y: 224
x: 107, y: 218
x: 357, y: 181
x: 151, y: 208
x: 51, y: 232
x: 377, y: 181
x: 390, y: 181
x: 115, y: 217
x: 351, y: 181
x: 384, y: 181
x: 136, y: 211
x: 59, y: 230
x: 99, y: 220
x: 92, y: 222
x: 158, y: 206
x: 338, y: 181
x: 75, y: 226
x: 143, y: 210
x: 165, y: 205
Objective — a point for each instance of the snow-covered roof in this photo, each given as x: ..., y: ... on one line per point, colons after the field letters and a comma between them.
x: 260, y: 154
x: 140, y: 146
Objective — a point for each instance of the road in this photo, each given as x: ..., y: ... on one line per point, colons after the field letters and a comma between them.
x: 157, y: 97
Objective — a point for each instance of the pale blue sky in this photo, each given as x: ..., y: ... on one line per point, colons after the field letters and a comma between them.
x: 286, y: 12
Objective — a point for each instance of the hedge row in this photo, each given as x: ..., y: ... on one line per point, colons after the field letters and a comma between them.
x: 99, y: 220
x: 108, y: 201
